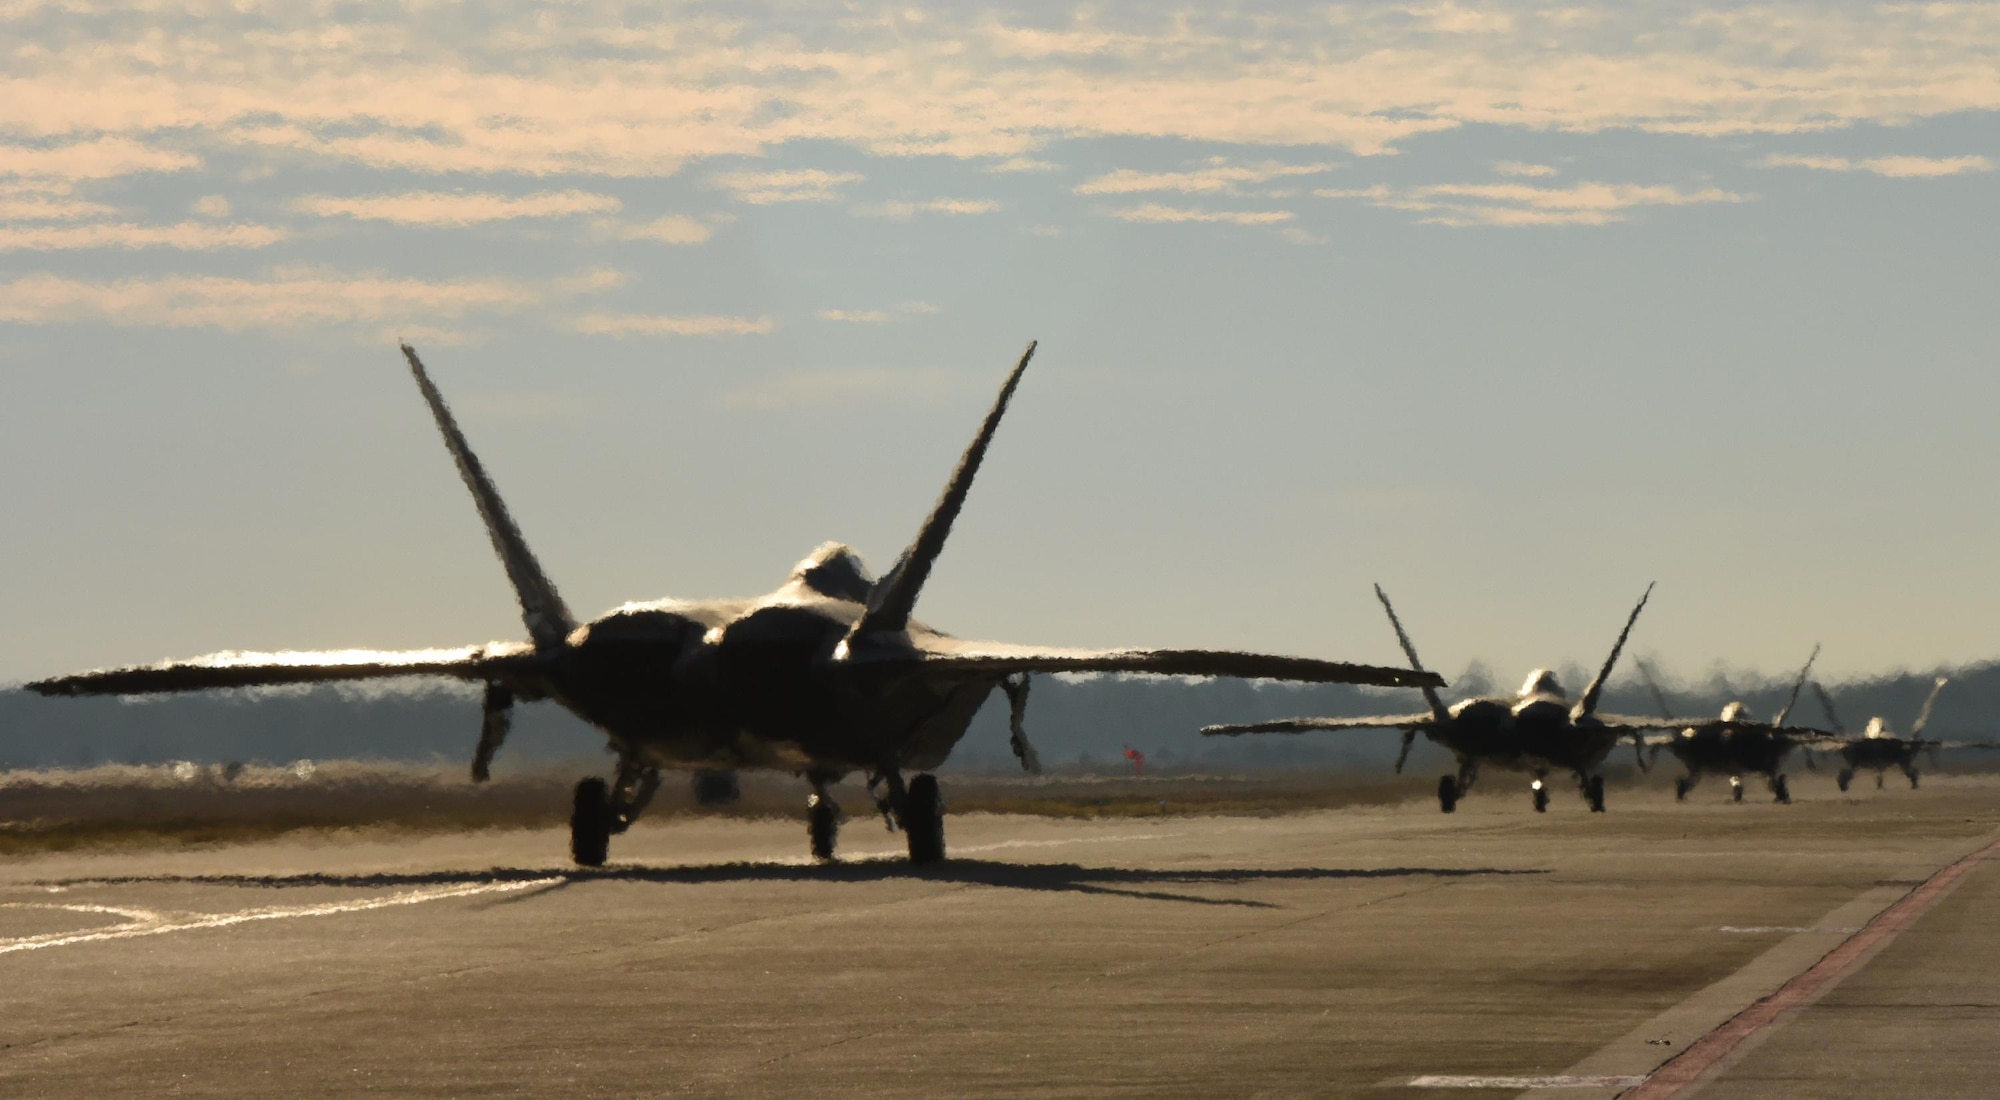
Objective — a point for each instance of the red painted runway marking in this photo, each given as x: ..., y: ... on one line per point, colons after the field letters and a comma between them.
x: 1705, y: 1053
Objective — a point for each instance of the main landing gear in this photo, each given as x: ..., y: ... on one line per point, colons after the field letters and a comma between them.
x: 1781, y: 791
x: 1593, y: 793
x: 601, y: 810
x: 1735, y: 788
x: 915, y: 808
x: 1450, y: 789
x: 1541, y: 795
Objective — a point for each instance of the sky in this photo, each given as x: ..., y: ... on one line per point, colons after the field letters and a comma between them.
x: 1512, y: 309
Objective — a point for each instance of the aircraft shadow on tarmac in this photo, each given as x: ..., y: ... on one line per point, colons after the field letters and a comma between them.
x: 1142, y: 883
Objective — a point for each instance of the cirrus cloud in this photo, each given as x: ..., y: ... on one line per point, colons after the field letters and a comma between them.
x: 1522, y: 204
x: 1158, y: 213
x: 651, y: 324
x: 1905, y: 167
x: 455, y: 209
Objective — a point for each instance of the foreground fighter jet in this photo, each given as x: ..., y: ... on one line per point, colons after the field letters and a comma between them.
x: 1735, y: 745
x: 1880, y: 749
x: 1536, y: 730
x: 827, y: 676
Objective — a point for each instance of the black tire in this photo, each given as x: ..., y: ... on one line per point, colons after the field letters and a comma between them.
x: 1541, y: 800
x: 923, y: 820
x: 1447, y: 793
x: 1594, y: 791
x: 1845, y: 777
x: 590, y: 823
x: 1681, y: 788
x: 822, y: 826
x: 1913, y: 781
x: 1736, y: 791
x: 1782, y: 790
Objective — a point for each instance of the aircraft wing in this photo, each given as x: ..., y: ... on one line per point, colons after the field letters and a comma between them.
x: 232, y: 669
x: 1307, y: 725
x: 1630, y: 723
x: 939, y: 653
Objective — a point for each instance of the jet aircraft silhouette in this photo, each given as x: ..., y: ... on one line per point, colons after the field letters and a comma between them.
x: 1879, y: 748
x: 827, y: 676
x: 1536, y: 730
x: 1735, y: 744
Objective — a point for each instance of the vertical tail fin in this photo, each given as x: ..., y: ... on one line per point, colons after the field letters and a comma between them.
x: 1591, y: 694
x: 1826, y: 704
x: 895, y: 596
x: 1653, y: 685
x: 1438, y: 710
x: 1924, y: 716
x: 1796, y: 685
x: 542, y: 609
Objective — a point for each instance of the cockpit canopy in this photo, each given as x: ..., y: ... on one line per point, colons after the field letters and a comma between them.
x: 1542, y: 682
x: 1737, y: 712
x: 1877, y: 728
x: 834, y: 570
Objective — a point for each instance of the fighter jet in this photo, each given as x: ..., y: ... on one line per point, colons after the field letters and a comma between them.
x: 1536, y: 730
x: 827, y: 676
x: 1735, y: 745
x: 1879, y: 748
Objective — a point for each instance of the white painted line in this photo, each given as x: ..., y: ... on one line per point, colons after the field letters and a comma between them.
x: 1561, y: 1081
x: 1758, y: 929
x: 158, y: 927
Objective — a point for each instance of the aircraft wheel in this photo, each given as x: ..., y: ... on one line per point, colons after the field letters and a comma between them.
x: 1541, y: 799
x: 1782, y: 790
x: 1594, y: 791
x: 1913, y: 781
x: 1845, y: 777
x: 1681, y: 788
x: 590, y: 823
x: 923, y: 820
x: 1447, y: 793
x: 1878, y: 781
x: 1735, y: 789
x: 822, y: 825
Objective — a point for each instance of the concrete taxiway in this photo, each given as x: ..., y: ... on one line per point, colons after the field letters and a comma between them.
x: 1342, y: 952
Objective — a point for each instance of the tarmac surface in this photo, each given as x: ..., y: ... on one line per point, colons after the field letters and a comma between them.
x: 1341, y: 952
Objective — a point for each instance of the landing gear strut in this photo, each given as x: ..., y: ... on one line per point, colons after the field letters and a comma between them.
x: 1541, y: 796
x: 1447, y: 794
x: 1682, y: 786
x: 1593, y: 792
x: 1736, y: 788
x: 1781, y: 790
x: 1845, y: 777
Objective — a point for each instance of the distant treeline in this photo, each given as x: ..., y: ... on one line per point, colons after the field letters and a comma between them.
x: 1082, y: 722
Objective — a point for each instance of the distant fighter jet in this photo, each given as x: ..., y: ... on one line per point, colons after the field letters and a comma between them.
x: 1536, y: 731
x: 825, y: 677
x: 1880, y: 749
x: 1735, y: 745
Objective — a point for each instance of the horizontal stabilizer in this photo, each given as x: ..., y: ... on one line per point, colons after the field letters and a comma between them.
x: 1308, y: 725
x: 949, y: 655
x: 236, y: 670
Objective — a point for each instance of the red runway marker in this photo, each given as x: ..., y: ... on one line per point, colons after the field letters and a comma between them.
x: 1705, y: 1053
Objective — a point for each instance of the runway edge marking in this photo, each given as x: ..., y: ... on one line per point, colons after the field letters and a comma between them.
x: 1693, y: 1067
x: 224, y: 920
